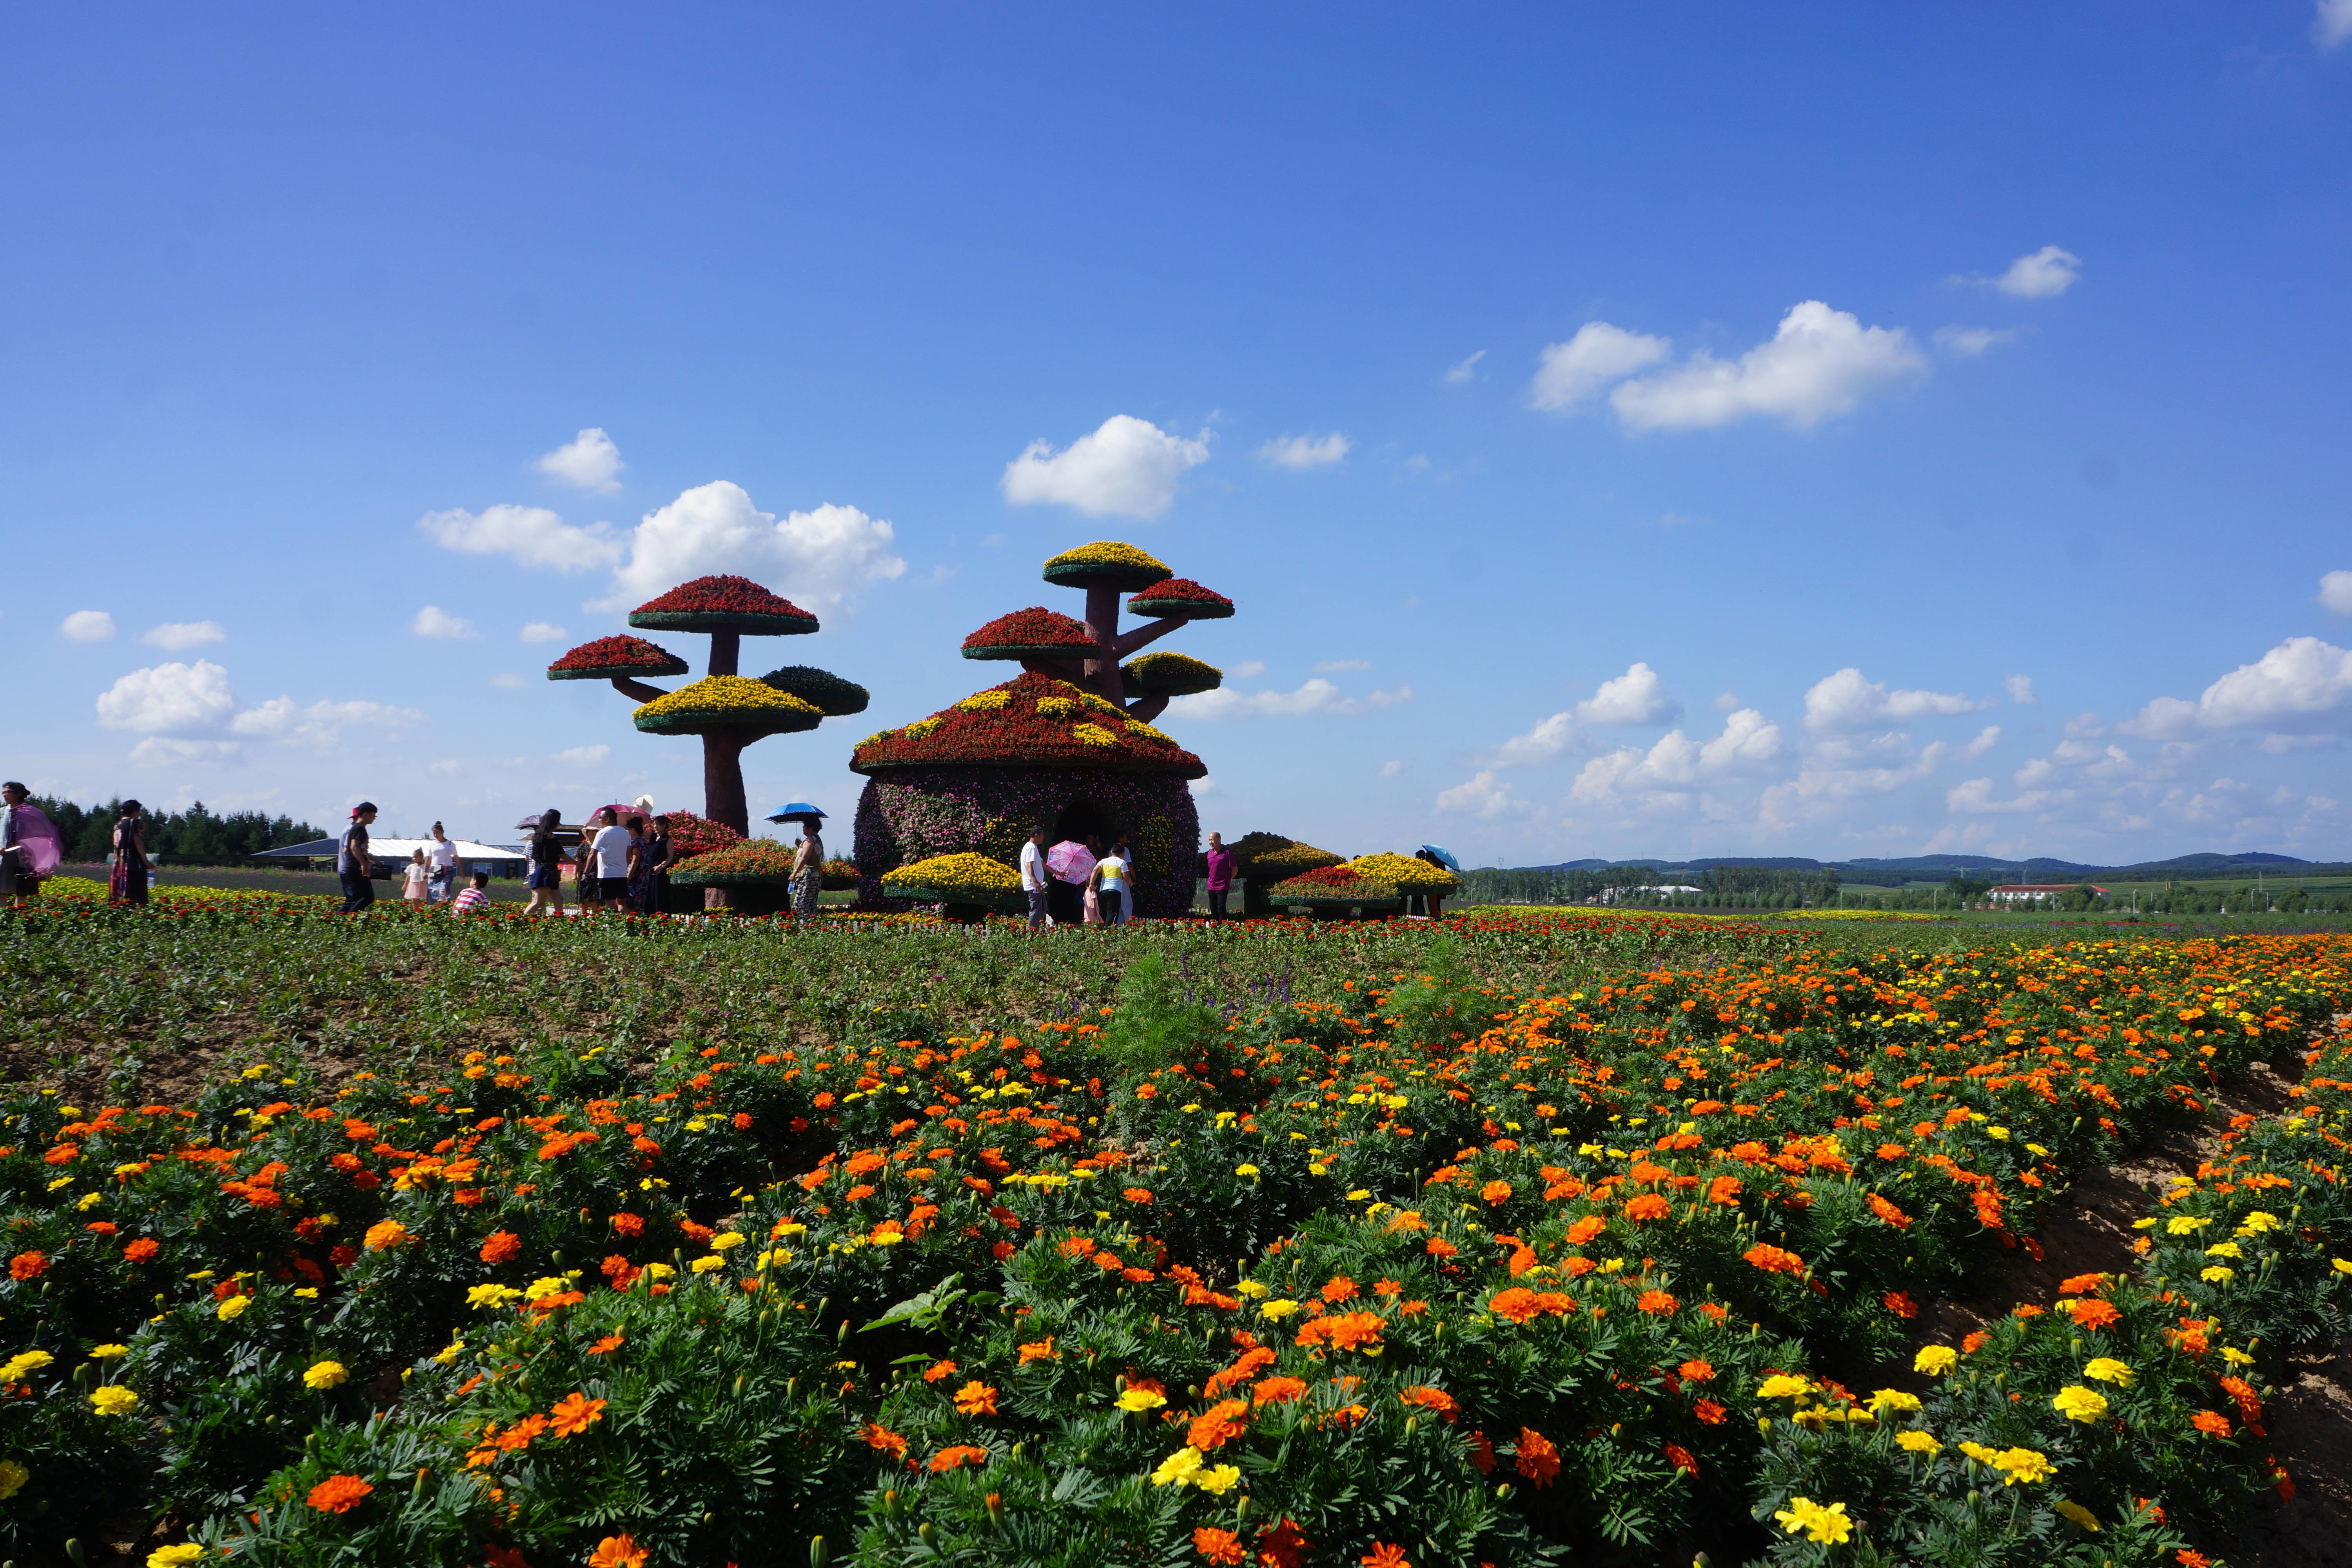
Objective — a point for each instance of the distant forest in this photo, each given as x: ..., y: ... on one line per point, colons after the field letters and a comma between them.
x: 1786, y: 887
x: 191, y: 837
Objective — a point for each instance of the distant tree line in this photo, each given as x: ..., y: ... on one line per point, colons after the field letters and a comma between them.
x: 191, y: 837
x: 1720, y: 887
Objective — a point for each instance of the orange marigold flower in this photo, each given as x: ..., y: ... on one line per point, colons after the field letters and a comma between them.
x: 1680, y: 1458
x: 880, y: 1438
x: 1219, y: 1422
x: 1276, y: 1391
x: 2212, y: 1422
x: 1282, y: 1545
x: 1647, y: 1206
x: 1585, y: 1229
x: 1538, y: 1459
x: 955, y: 1458
x: 2189, y: 1559
x: 1383, y: 1555
x: 1900, y: 1303
x: 1220, y: 1546
x: 339, y: 1494
x: 976, y: 1398
x: 575, y: 1413
x: 1136, y: 1195
x: 937, y: 1370
x: 140, y: 1250
x: 1696, y: 1370
x: 1339, y: 1289
x: 2083, y: 1284
x: 608, y: 1344
x: 618, y: 1552
x: 1496, y: 1192
x: 1430, y: 1398
x: 1515, y: 1305
x: 1709, y: 1411
x: 519, y: 1436
x: 2250, y: 1407
x: 384, y: 1234
x: 1440, y: 1248
x: 1974, y: 1342
x: 29, y: 1265
x: 629, y: 1224
x: 1888, y: 1211
x: 501, y: 1246
x: 1040, y: 1350
x: 1657, y: 1303
x: 1388, y: 1287
x: 2094, y: 1313
x: 1722, y: 1190
x: 1773, y: 1259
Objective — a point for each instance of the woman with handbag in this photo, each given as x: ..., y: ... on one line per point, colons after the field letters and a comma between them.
x: 127, y: 882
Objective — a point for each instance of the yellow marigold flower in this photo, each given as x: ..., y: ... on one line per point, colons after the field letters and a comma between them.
x: 2079, y: 1514
x: 2217, y: 1275
x: 1093, y: 736
x: 984, y: 701
x: 545, y: 1285
x: 1246, y: 1170
x: 1054, y: 707
x: 2107, y: 1369
x: 1829, y: 1526
x: 1936, y: 1360
x: 1783, y: 1386
x: 2079, y: 1403
x: 1981, y: 1454
x: 175, y: 1556
x: 1894, y: 1399
x: 2341, y: 1265
x: 1277, y: 1309
x: 325, y: 1375
x: 2023, y: 1465
x: 2225, y: 1250
x: 726, y: 1239
x: 2257, y: 1222
x: 113, y: 1399
x: 1107, y: 552
x: 109, y: 1352
x: 1918, y: 1442
x: 2235, y: 1356
x: 1140, y: 1400
x: 1138, y: 727
x: 705, y: 1265
x: 482, y: 1295
x: 1219, y: 1481
x: 1178, y: 1468
x: 2185, y: 1224
x: 24, y: 1362
x: 13, y: 1477
x: 1256, y: 1290
x: 232, y: 1306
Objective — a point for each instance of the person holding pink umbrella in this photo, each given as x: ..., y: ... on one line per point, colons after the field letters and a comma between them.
x: 29, y: 846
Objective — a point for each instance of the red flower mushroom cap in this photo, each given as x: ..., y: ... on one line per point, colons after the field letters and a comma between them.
x: 1033, y: 633
x: 608, y: 657
x: 723, y: 604
x: 1105, y: 560
x: 1181, y: 598
x: 1031, y: 721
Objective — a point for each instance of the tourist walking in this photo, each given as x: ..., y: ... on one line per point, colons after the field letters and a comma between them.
x: 415, y: 876
x: 477, y: 897
x: 441, y: 864
x: 1109, y: 884
x: 1033, y: 879
x: 1221, y: 876
x: 808, y: 870
x: 657, y: 858
x: 606, y: 857
x: 546, y: 878
x: 29, y: 846
x: 353, y: 862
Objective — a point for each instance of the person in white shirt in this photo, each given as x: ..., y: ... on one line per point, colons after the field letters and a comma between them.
x: 1032, y: 878
x: 413, y: 877
x: 441, y: 866
x: 610, y: 850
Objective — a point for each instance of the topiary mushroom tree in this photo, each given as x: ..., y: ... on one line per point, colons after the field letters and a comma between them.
x: 727, y: 711
x: 1087, y: 653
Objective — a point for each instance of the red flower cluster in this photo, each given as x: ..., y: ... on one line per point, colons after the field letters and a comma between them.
x: 1017, y: 734
x: 721, y: 595
x: 1176, y: 590
x: 627, y: 653
x: 1037, y: 627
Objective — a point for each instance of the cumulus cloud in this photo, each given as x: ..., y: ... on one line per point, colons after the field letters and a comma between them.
x: 2302, y: 686
x: 433, y: 621
x: 181, y: 636
x: 169, y: 700
x: 87, y: 625
x: 319, y: 725
x: 1566, y: 373
x: 1971, y: 341
x: 161, y: 748
x: 1128, y: 467
x: 2335, y: 588
x: 1848, y: 701
x: 528, y: 535
x: 588, y: 461
x: 584, y: 756
x: 1465, y: 370
x: 2020, y: 689
x: 1305, y: 451
x: 544, y: 631
x: 1546, y: 739
x: 1390, y: 770
x: 1637, y: 697
x: 2042, y: 275
x: 1819, y: 362
x: 823, y: 559
x: 1480, y: 796
x: 1244, y: 670
x: 2332, y: 24
x: 1315, y: 696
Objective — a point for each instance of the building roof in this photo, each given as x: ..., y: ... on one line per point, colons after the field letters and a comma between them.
x: 395, y: 850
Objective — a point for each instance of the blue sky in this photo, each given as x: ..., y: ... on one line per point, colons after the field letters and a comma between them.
x: 1830, y: 430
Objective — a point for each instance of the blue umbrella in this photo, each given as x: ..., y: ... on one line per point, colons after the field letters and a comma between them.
x: 797, y: 809
x: 1445, y: 855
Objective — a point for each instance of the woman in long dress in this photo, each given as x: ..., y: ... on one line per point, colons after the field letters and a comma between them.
x: 808, y: 871
x: 127, y: 882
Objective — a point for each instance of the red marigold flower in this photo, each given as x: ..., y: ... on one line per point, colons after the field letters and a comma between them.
x: 1282, y: 1545
x: 140, y: 1250
x: 1680, y: 1458
x: 618, y: 1552
x: 1709, y: 1411
x: 878, y: 1437
x: 1647, y: 1206
x: 575, y: 1413
x: 1482, y: 1453
x: 1429, y: 1398
x: 1657, y: 1303
x: 501, y: 1246
x: 339, y: 1494
x: 29, y: 1265
x: 1219, y: 1546
x: 958, y: 1457
x: 1383, y: 1555
x: 2212, y: 1422
x: 1538, y: 1459
x: 628, y: 1225
x: 1900, y: 1303
x: 976, y: 1398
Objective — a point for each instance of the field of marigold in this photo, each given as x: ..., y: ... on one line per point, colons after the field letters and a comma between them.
x: 1416, y: 1258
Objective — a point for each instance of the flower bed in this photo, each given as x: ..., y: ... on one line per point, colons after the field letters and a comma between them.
x: 1033, y: 633
x: 1105, y: 560
x: 608, y: 657
x: 724, y: 603
x: 1038, y: 722
x: 1408, y: 873
x: 1336, y: 889
x: 751, y: 861
x: 690, y: 834
x: 1270, y: 857
x: 959, y: 878
x: 726, y: 703
x: 1181, y: 598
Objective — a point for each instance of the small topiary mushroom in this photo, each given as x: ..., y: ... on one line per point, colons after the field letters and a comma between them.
x: 615, y: 659
x: 1181, y: 598
x: 1169, y: 674
x: 1036, y: 632
x: 822, y: 690
x: 724, y: 703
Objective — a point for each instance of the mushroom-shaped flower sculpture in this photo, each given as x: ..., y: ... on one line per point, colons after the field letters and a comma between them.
x: 615, y: 659
x: 726, y: 702
x: 822, y: 690
x: 1107, y: 562
x: 723, y: 604
x: 1168, y: 674
x: 1033, y: 633
x: 1181, y: 599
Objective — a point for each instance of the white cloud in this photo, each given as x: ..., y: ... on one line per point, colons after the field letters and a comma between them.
x: 1129, y: 468
x: 431, y: 621
x: 1339, y: 665
x: 1637, y: 697
x: 1819, y: 362
x: 528, y: 535
x: 2302, y: 685
x: 2020, y: 689
x: 1200, y: 787
x: 1599, y: 353
x: 1315, y: 696
x: 508, y: 682
x: 1247, y: 669
x: 820, y: 559
x: 584, y: 756
x: 1465, y: 370
x: 1749, y: 741
x: 2045, y: 274
x: 169, y: 700
x: 178, y: 635
x: 1847, y: 701
x: 544, y: 631
x: 588, y: 461
x: 157, y: 750
x: 320, y: 724
x: 2335, y: 588
x: 87, y: 625
x: 1971, y: 341
x: 1546, y: 741
x: 1305, y: 451
x: 2332, y: 24
x: 1479, y: 795
x: 1390, y: 770
x: 1726, y: 701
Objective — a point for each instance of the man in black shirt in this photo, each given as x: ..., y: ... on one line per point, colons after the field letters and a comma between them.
x: 351, y: 860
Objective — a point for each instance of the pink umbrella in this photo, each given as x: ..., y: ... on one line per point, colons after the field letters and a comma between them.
x: 1070, y: 860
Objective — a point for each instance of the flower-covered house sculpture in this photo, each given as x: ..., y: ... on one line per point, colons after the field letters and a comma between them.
x: 1068, y: 744
x: 728, y: 711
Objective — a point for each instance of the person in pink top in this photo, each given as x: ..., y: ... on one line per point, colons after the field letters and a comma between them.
x: 1221, y: 876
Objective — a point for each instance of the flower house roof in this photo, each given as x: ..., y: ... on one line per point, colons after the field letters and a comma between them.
x: 1030, y: 722
x: 726, y: 703
x: 1105, y: 560
x: 1033, y: 633
x: 723, y: 604
x: 616, y: 656
x: 1181, y: 598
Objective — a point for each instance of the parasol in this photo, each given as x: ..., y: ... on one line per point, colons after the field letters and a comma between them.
x: 1445, y: 856
x: 796, y: 811
x: 1070, y: 860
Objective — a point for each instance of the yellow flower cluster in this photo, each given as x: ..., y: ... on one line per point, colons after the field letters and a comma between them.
x: 731, y: 694
x: 1093, y: 736
x: 1054, y: 707
x: 984, y: 701
x: 964, y: 874
x: 1404, y: 872
x: 1138, y: 727
x: 919, y: 729
x: 1106, y: 553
